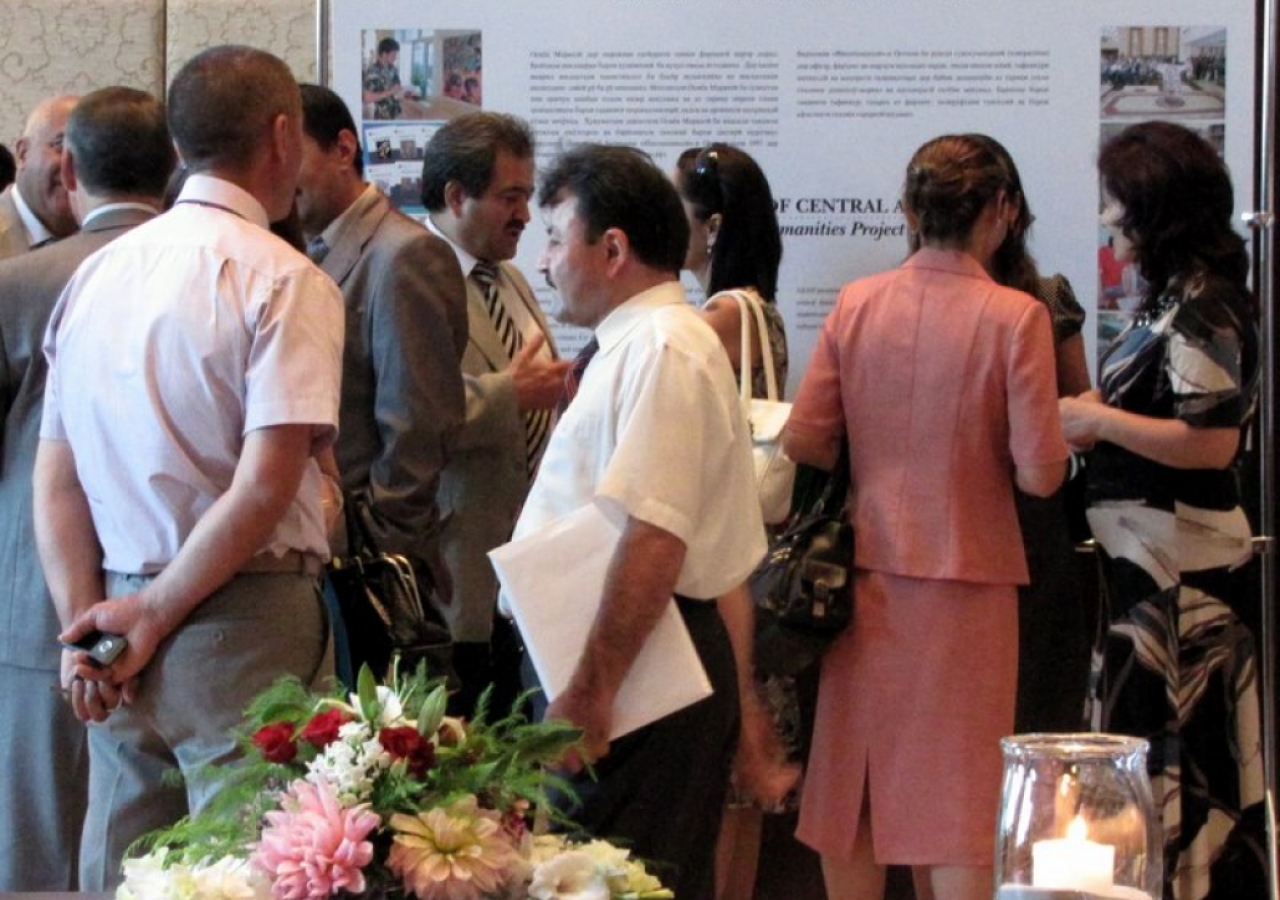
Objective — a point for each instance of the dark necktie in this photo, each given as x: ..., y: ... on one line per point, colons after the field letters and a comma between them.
x: 537, y: 422
x: 574, y: 378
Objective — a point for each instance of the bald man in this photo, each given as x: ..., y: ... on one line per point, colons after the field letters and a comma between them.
x: 35, y: 209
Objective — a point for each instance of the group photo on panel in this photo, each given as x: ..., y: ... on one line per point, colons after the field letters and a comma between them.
x: 263, y: 431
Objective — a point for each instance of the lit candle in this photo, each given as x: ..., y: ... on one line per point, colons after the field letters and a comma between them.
x: 1073, y: 862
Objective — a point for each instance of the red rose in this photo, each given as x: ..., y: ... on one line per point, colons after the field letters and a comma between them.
x: 275, y: 742
x: 322, y: 730
x: 404, y: 742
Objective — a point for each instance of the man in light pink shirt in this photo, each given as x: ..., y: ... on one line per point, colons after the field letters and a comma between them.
x: 194, y: 378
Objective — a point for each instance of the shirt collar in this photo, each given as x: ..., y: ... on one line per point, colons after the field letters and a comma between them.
x: 112, y: 207
x: 217, y: 192
x: 344, y: 221
x: 36, y: 232
x: 956, y: 262
x: 466, y: 261
x: 614, y: 327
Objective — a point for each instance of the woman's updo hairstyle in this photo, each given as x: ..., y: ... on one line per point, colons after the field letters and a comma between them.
x: 950, y: 180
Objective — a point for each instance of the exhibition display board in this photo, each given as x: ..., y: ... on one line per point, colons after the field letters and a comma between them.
x: 831, y: 99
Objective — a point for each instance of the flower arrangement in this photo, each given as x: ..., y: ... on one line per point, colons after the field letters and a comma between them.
x: 380, y: 793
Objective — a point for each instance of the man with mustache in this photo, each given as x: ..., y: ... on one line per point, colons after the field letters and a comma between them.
x: 35, y: 210
x: 477, y: 180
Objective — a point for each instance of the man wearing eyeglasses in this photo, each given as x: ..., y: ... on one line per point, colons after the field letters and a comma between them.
x: 35, y: 210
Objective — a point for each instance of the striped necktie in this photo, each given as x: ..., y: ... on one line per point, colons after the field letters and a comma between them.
x: 537, y: 422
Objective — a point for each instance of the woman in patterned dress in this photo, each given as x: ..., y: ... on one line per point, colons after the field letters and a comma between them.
x: 735, y: 246
x: 1177, y: 391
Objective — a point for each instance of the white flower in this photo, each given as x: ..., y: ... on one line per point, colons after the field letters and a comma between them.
x: 571, y: 875
x: 230, y: 878
x: 149, y: 878
x: 390, y: 710
x: 350, y: 764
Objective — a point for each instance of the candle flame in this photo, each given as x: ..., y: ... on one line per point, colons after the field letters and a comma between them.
x: 1077, y: 830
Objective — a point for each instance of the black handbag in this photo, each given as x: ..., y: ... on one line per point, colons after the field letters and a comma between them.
x: 803, y: 590
x: 378, y: 610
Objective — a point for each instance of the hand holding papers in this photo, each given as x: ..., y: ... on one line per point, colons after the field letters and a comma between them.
x: 553, y: 580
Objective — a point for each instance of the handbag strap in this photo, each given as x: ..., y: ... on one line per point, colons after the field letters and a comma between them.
x: 836, y: 491
x: 359, y: 541
x: 749, y: 310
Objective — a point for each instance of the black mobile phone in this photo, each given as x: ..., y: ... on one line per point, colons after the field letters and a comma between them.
x: 102, y: 648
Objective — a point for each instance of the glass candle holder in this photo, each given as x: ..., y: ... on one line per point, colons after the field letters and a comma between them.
x: 1076, y: 820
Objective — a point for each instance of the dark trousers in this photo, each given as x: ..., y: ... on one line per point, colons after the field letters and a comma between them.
x: 661, y: 789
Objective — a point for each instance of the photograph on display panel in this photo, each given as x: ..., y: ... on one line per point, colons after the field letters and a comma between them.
x: 411, y: 81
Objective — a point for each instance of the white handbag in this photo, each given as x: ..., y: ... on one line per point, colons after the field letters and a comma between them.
x: 775, y: 472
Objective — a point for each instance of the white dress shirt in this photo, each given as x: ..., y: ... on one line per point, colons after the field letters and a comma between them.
x: 168, y: 347
x: 657, y: 432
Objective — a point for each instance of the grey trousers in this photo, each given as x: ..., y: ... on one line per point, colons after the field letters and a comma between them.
x: 44, y: 776
x: 191, y: 696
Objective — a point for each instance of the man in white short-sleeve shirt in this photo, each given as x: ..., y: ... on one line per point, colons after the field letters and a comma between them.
x: 194, y: 370
x: 656, y: 435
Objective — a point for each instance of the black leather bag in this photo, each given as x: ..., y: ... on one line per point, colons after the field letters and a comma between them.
x: 803, y: 590
x: 378, y: 610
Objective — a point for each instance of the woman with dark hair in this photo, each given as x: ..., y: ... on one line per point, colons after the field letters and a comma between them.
x: 943, y: 383
x: 735, y: 247
x: 1053, y: 639
x: 1177, y: 392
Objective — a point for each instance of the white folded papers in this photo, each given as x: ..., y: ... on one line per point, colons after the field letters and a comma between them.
x: 553, y: 580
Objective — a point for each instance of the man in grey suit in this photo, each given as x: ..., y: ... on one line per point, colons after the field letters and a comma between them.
x: 477, y: 180
x: 34, y: 210
x: 406, y: 319
x: 117, y: 159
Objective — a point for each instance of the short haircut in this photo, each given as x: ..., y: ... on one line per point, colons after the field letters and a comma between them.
x: 222, y: 104
x: 465, y: 149
x: 720, y: 178
x: 325, y: 116
x: 8, y: 167
x: 620, y: 187
x: 949, y: 182
x: 388, y: 45
x: 1178, y: 203
x: 120, y: 142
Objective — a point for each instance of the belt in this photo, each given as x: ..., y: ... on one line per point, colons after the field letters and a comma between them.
x: 292, y: 561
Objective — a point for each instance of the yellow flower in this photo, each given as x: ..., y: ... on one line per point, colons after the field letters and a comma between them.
x: 454, y: 852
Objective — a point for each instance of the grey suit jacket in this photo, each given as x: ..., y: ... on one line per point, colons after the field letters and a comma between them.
x: 402, y: 394
x: 30, y: 284
x: 486, y: 482
x: 13, y: 234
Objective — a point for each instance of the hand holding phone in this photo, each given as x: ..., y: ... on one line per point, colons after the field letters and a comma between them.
x: 103, y: 649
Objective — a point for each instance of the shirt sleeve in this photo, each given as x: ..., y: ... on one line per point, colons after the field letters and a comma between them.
x: 818, y: 409
x: 1035, y: 429
x: 294, y: 373
x: 51, y: 414
x: 673, y: 437
x: 1205, y: 363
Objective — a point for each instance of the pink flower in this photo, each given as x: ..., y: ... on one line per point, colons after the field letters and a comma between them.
x: 314, y: 847
x: 454, y: 852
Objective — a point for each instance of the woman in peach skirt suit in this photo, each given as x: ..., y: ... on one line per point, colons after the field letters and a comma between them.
x: 943, y: 382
